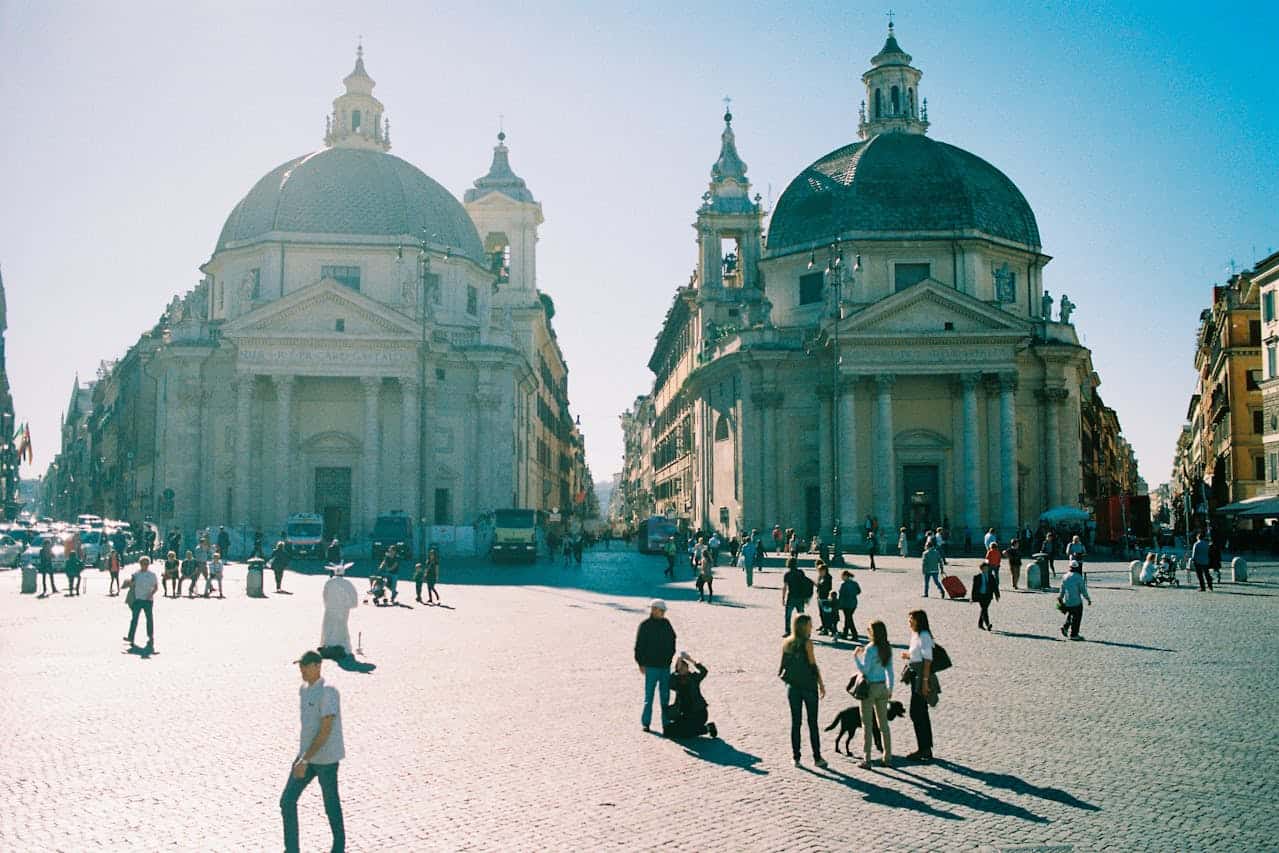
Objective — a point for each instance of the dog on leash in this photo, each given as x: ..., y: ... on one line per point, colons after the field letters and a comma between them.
x: 850, y: 720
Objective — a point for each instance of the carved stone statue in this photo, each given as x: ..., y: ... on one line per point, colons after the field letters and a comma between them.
x: 1046, y: 306
x: 765, y: 312
x: 1066, y: 308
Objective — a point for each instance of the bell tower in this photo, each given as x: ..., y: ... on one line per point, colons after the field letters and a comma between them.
x: 729, y: 222
x: 356, y: 121
x: 507, y: 217
x: 892, y: 102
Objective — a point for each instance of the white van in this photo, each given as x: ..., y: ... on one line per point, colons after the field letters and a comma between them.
x: 304, y: 531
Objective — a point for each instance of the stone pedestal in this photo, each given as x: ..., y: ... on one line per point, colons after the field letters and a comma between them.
x: 1134, y: 572
x: 1037, y: 574
x: 28, y: 580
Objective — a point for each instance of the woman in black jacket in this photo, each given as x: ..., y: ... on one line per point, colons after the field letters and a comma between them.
x: 689, y: 709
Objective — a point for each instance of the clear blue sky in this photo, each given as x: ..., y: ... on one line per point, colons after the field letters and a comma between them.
x: 1143, y: 135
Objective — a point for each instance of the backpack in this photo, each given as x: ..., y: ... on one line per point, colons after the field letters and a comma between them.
x: 804, y: 589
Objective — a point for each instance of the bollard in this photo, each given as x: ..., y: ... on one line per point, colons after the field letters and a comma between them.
x: 28, y: 579
x: 1134, y: 572
x: 1037, y: 574
x: 1238, y: 567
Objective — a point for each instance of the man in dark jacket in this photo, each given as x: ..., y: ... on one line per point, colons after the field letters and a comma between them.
x: 224, y: 543
x: 654, y: 649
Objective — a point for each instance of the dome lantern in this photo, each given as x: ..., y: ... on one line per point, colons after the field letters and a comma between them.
x: 892, y: 102
x: 356, y: 121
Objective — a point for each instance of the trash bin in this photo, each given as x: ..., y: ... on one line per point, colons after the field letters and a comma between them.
x: 28, y: 579
x: 253, y: 578
x: 1238, y: 567
x: 1134, y: 572
x: 1037, y: 576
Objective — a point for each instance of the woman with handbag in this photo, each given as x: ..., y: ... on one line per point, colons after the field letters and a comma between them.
x: 874, y: 662
x: 803, y: 684
x: 919, y: 674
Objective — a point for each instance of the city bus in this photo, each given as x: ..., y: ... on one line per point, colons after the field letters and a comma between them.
x: 652, y: 534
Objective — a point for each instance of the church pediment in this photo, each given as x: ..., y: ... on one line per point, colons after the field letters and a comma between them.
x: 314, y: 312
x: 931, y: 307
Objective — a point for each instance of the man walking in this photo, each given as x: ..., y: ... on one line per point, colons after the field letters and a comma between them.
x: 931, y: 564
x: 320, y: 752
x: 48, y: 585
x: 654, y: 649
x: 143, y: 583
x: 1201, y: 556
x: 797, y: 588
x: 1073, y: 594
x: 224, y: 542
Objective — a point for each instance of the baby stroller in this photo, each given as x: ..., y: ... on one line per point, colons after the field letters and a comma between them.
x: 377, y: 589
x: 1166, y: 572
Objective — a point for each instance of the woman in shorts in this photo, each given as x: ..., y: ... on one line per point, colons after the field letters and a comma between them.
x: 171, y: 574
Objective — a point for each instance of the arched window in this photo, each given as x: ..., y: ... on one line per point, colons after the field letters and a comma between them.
x: 896, y: 96
x: 355, y: 119
x: 910, y: 102
x: 721, y: 429
x: 879, y: 106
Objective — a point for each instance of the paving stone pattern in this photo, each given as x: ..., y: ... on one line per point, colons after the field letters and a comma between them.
x: 509, y: 720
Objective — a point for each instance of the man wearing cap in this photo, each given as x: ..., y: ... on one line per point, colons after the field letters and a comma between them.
x: 654, y: 649
x: 321, y: 750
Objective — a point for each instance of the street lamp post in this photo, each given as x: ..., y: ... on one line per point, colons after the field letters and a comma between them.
x: 834, y: 274
x: 422, y: 244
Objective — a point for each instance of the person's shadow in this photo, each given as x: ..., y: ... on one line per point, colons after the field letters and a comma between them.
x: 718, y: 751
x: 1017, y: 785
x: 351, y: 664
x: 144, y: 652
x: 877, y: 795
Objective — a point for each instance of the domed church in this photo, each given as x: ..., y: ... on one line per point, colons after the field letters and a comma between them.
x: 363, y: 343
x: 886, y: 351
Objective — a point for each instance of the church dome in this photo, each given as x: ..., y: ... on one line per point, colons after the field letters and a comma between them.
x: 355, y: 192
x: 899, y: 183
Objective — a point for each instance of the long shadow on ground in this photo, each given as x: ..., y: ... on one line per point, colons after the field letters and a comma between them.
x: 961, y: 796
x: 718, y: 751
x: 1017, y: 785
x: 881, y: 796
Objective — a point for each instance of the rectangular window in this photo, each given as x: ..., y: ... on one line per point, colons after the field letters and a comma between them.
x: 810, y: 288
x: 1274, y: 467
x: 905, y: 275
x: 255, y: 283
x: 472, y: 300
x: 1270, y: 467
x: 443, y: 507
x: 1268, y: 306
x: 345, y: 276
x: 1258, y: 468
x: 1254, y: 333
x: 1271, y: 362
x: 1257, y: 428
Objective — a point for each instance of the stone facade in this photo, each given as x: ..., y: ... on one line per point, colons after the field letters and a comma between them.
x: 1265, y: 279
x: 854, y: 367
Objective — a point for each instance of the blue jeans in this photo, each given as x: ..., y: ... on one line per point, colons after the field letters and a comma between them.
x: 936, y: 580
x: 293, y: 789
x: 655, y: 677
x: 793, y: 607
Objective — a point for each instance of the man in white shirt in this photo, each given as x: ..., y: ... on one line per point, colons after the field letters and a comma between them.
x: 143, y: 584
x: 321, y: 750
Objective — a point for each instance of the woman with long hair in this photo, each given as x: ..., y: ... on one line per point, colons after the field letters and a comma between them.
x: 920, y: 657
x: 803, y: 684
x: 875, y: 662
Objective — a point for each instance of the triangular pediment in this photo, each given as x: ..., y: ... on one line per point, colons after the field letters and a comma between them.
x: 927, y: 308
x: 314, y: 311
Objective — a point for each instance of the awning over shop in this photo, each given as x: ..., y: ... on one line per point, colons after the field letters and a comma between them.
x: 1265, y: 506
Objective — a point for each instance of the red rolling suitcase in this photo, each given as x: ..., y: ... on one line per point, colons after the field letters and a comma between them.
x: 954, y: 587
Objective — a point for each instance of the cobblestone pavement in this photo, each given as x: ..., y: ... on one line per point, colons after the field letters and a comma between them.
x: 508, y: 720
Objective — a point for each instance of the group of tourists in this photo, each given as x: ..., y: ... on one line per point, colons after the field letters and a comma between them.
x: 687, y: 715
x: 384, y: 582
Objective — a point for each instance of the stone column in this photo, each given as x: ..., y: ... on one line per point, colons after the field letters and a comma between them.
x: 372, y: 448
x: 825, y: 464
x: 425, y: 481
x: 1051, y: 399
x: 885, y: 484
x: 411, y: 471
x: 971, y: 475
x: 1008, y: 516
x: 283, y: 445
x: 768, y: 403
x: 243, y: 421
x: 848, y: 461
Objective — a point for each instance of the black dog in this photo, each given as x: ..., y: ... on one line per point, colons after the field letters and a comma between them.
x: 850, y: 720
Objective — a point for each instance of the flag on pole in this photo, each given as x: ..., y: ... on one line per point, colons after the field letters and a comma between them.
x: 22, y: 444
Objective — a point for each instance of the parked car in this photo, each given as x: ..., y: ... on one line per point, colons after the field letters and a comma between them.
x: 31, y: 556
x: 10, y: 551
x: 93, y: 546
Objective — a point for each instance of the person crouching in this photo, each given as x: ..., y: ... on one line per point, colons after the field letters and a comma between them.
x: 689, y: 710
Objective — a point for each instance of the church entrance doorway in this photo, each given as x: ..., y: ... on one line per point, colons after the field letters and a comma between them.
x: 922, y: 493
x: 333, y: 501
x: 812, y: 511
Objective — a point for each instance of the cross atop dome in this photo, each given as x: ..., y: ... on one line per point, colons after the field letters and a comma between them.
x: 356, y: 121
x: 892, y: 102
